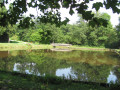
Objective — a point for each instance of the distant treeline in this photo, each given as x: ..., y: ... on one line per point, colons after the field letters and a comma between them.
x: 78, y: 34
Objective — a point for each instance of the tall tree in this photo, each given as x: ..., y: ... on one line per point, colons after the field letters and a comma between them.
x: 50, y: 10
x: 118, y: 34
x: 6, y: 29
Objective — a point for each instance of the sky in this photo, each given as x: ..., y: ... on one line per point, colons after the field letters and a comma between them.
x: 74, y: 17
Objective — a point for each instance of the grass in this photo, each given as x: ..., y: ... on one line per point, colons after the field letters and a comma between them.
x: 117, y: 51
x: 14, y: 80
x: 42, y: 46
x: 88, y: 46
x: 13, y: 46
x: 19, y: 45
x: 77, y: 47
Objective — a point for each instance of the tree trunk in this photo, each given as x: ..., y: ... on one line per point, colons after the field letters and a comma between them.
x: 8, y: 39
x: 4, y: 37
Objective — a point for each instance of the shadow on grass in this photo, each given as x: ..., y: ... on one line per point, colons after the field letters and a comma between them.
x: 15, y: 80
x: 14, y: 42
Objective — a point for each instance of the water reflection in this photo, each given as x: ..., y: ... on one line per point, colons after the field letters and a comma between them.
x: 15, y: 67
x: 102, y: 67
x: 66, y: 72
x: 4, y: 53
x: 112, y: 78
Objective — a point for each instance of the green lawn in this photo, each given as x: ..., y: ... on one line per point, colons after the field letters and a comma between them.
x: 22, y: 46
x: 19, y: 45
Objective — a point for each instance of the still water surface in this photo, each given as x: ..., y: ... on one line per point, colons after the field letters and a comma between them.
x: 88, y: 66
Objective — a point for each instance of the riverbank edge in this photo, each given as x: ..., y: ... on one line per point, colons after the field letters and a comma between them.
x: 117, y: 51
x: 15, y: 80
x: 22, y: 46
x: 27, y: 46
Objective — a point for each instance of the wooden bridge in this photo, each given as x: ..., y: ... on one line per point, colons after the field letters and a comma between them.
x: 61, y: 50
x: 60, y: 44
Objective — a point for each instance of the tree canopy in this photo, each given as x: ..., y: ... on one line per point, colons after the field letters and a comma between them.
x: 77, y: 34
x: 50, y: 11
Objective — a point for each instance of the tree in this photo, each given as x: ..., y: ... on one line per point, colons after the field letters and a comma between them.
x: 6, y: 32
x: 6, y: 29
x: 50, y: 10
x: 118, y: 34
x: 97, y: 35
x: 36, y: 36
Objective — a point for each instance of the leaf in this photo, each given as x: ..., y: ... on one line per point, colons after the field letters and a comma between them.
x: 29, y: 4
x: 71, y: 12
x: 31, y: 15
x: 98, y: 22
x: 87, y: 15
x: 106, y: 5
x: 92, y: 23
x: 66, y: 21
x: 97, y: 5
x: 82, y: 8
x: 86, y: 1
x: 65, y: 4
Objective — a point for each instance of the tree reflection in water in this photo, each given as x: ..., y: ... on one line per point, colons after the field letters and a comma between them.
x: 79, y: 65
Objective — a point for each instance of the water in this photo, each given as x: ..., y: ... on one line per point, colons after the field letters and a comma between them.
x: 88, y: 66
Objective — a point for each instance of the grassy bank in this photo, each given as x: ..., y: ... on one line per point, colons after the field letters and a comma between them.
x: 19, y: 45
x: 76, y: 47
x: 13, y: 81
x: 22, y: 46
x: 117, y: 51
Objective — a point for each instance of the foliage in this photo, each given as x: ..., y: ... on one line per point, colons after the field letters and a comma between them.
x: 6, y: 29
x: 36, y: 36
x: 50, y: 11
x: 77, y: 34
x: 80, y: 34
x: 117, y: 41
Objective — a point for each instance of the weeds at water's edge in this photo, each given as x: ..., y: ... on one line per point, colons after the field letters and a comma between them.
x: 17, y: 80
